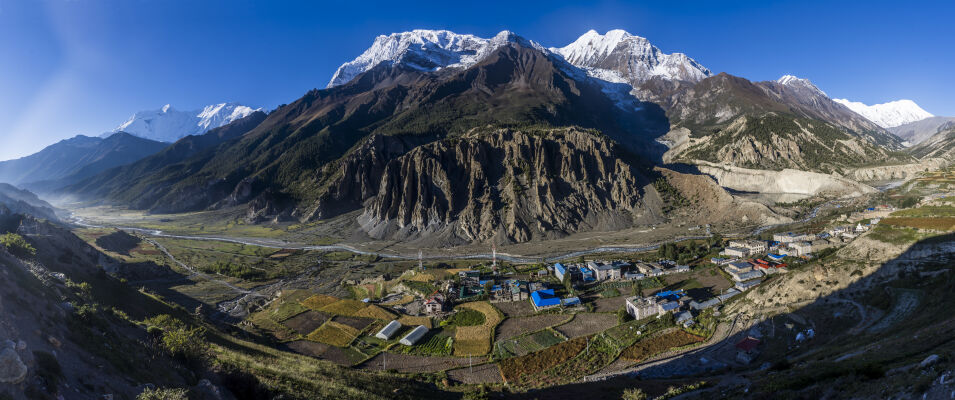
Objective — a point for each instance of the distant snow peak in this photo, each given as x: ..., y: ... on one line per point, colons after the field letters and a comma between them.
x: 619, y: 56
x: 168, y: 124
x: 794, y: 81
x: 888, y: 115
x: 426, y: 50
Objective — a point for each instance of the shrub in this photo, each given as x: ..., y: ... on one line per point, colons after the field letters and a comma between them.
x: 634, y: 394
x: 17, y: 245
x: 162, y: 394
x: 184, y: 343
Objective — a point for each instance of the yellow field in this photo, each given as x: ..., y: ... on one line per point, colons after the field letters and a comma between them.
x: 318, y: 301
x: 373, y: 311
x: 333, y: 333
x: 421, y: 277
x: 345, y: 307
x: 408, y: 320
x: 476, y: 340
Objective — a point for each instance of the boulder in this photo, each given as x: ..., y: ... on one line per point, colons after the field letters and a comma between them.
x: 929, y: 361
x: 12, y: 369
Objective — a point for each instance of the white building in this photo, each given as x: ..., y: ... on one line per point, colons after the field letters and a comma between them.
x: 737, y: 252
x: 754, y: 246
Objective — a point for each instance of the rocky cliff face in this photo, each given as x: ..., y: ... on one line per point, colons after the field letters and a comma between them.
x: 508, y: 185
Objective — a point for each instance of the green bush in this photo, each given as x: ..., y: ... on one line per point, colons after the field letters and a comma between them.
x: 163, y: 394
x: 17, y: 245
x: 466, y: 317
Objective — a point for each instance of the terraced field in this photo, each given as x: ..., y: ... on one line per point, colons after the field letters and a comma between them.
x: 512, y: 327
x: 476, y: 340
x: 585, y: 324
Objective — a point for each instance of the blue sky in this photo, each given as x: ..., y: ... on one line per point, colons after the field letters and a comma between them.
x: 72, y: 67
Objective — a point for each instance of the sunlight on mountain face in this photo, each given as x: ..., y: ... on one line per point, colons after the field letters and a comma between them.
x: 462, y: 215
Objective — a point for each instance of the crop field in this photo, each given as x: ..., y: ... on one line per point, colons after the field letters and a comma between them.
x: 526, y: 344
x: 515, y: 308
x: 408, y: 320
x: 285, y: 310
x: 358, y: 323
x: 434, y: 344
x: 305, y: 347
x: 484, y: 373
x: 334, y: 333
x: 926, y: 211
x: 933, y: 223
x: 318, y: 301
x: 513, y: 369
x: 585, y: 324
x: 513, y: 327
x: 476, y: 340
x: 411, y: 363
x: 375, y: 312
x: 344, y: 307
x: 609, y: 304
x: 306, y: 322
x: 281, y: 332
x: 647, y: 348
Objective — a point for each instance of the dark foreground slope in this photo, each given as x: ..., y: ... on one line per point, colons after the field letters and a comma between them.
x: 69, y: 330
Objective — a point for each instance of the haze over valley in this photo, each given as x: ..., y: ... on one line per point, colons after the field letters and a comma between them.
x: 470, y: 216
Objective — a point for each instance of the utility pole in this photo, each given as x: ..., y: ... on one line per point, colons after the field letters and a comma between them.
x: 494, y: 256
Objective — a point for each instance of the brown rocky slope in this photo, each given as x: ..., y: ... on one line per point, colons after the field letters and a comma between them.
x: 509, y: 185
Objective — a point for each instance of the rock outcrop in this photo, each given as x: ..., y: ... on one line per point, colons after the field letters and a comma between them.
x: 509, y: 185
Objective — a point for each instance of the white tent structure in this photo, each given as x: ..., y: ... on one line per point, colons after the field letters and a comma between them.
x: 415, y: 335
x: 389, y: 330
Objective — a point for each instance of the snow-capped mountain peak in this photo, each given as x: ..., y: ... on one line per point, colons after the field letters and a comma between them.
x: 797, y: 82
x: 426, y: 50
x: 619, y: 56
x: 888, y: 115
x: 168, y: 124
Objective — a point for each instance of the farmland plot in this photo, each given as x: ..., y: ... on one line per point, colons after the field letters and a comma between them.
x: 411, y: 363
x: 515, y: 308
x: 318, y: 301
x: 484, y: 373
x: 358, y: 323
x: 306, y: 322
x: 476, y: 340
x: 527, y: 344
x: 585, y: 324
x: 513, y: 327
x: 513, y: 369
x: 408, y: 320
x: 334, y: 333
x: 658, y: 344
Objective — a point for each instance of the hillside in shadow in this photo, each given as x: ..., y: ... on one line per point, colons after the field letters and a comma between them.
x: 886, y: 330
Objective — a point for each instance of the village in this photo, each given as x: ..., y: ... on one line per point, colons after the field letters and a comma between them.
x: 434, y: 318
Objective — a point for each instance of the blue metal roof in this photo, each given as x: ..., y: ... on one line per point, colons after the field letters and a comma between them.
x: 571, y: 301
x: 545, y: 298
